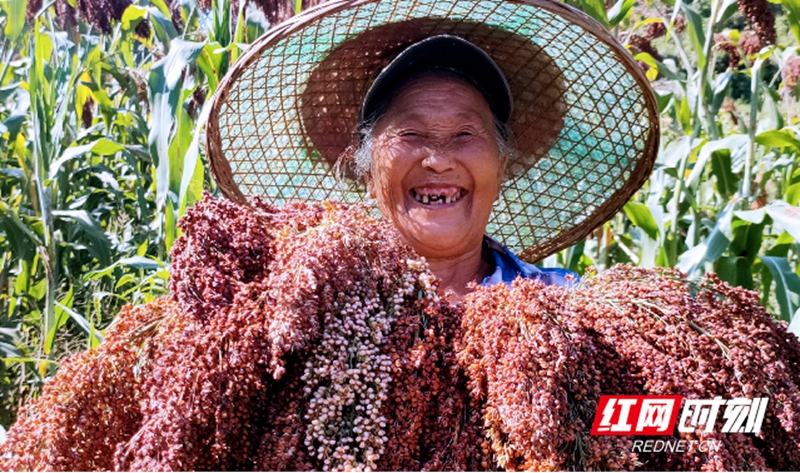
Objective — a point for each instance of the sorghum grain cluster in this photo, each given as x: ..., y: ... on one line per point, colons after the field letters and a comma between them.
x: 310, y: 338
x: 724, y: 43
x: 790, y: 73
x: 641, y: 44
x: 750, y: 42
x: 758, y: 14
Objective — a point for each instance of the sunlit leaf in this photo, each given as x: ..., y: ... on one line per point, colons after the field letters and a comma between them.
x: 794, y: 326
x: 62, y: 309
x: 735, y: 144
x: 685, y: 115
x: 597, y: 10
x: 696, y: 34
x: 752, y: 216
x: 674, y: 152
x: 162, y: 7
x: 726, y: 10
x: 163, y: 28
x: 663, y: 101
x: 15, y: 11
x: 81, y: 322
x: 652, y: 71
x: 778, y: 139
x: 165, y: 91
x: 618, y: 12
x: 100, y: 147
x: 792, y: 8
x: 793, y: 194
x: 788, y: 217
x: 191, y: 186
x: 720, y: 90
x: 641, y: 217
x: 787, y: 285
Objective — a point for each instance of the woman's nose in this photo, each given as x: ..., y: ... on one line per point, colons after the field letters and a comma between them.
x: 438, y: 160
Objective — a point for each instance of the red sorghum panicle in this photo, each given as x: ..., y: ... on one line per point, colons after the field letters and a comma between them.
x: 641, y: 44
x: 66, y: 15
x: 87, y: 112
x: 175, y: 13
x: 724, y: 43
x: 143, y: 29
x: 679, y: 24
x: 790, y: 73
x: 90, y: 406
x: 730, y: 108
x: 758, y: 14
x: 750, y: 42
x: 701, y: 342
x: 535, y: 368
x: 655, y: 30
x: 33, y: 8
x: 195, y: 104
x: 310, y: 338
x: 103, y: 13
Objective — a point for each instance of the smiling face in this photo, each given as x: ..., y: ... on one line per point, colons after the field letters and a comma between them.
x: 436, y: 169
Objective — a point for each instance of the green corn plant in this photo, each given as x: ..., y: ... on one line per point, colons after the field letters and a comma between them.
x: 722, y: 198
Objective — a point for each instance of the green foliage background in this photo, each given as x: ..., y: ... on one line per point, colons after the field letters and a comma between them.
x: 100, y: 149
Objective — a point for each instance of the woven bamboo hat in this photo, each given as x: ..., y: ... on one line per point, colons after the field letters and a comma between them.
x: 584, y: 117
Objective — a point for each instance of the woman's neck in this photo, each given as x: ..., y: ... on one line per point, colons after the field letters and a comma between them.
x: 456, y: 273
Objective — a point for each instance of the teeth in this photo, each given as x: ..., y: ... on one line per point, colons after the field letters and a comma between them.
x: 431, y: 199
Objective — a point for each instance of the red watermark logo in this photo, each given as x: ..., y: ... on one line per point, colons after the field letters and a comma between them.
x: 636, y: 415
x: 657, y: 415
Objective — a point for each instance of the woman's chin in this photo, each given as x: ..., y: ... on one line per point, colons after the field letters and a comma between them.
x: 436, y: 241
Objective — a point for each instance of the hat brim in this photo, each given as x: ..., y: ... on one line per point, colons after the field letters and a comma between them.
x: 536, y: 83
x: 585, y: 118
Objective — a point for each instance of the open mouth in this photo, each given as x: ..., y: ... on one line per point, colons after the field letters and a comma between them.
x: 442, y: 196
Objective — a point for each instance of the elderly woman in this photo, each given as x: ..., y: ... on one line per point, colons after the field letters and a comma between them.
x: 315, y: 335
x: 317, y: 344
x: 459, y: 124
x: 435, y: 145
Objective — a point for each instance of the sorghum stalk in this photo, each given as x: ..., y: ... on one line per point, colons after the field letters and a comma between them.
x: 755, y: 91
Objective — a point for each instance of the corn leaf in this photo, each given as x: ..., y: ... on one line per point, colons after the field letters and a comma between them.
x: 619, y: 11
x: 792, y: 8
x: 641, y: 217
x: 696, y: 34
x: 165, y: 92
x: 787, y: 285
x: 781, y: 139
x: 15, y: 11
x: 99, y: 245
x: 727, y: 181
x: 787, y: 217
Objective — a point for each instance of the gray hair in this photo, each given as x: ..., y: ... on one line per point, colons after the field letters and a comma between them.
x: 362, y: 157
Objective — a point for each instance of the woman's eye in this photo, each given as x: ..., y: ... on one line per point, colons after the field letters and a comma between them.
x: 464, y: 133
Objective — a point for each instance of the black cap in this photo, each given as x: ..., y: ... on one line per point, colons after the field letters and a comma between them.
x: 442, y: 53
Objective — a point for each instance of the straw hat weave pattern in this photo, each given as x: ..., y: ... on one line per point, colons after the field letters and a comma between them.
x: 584, y: 116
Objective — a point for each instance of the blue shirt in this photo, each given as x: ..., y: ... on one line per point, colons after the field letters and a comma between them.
x: 508, y: 267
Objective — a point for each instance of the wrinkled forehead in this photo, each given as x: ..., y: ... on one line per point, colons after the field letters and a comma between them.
x: 431, y: 80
